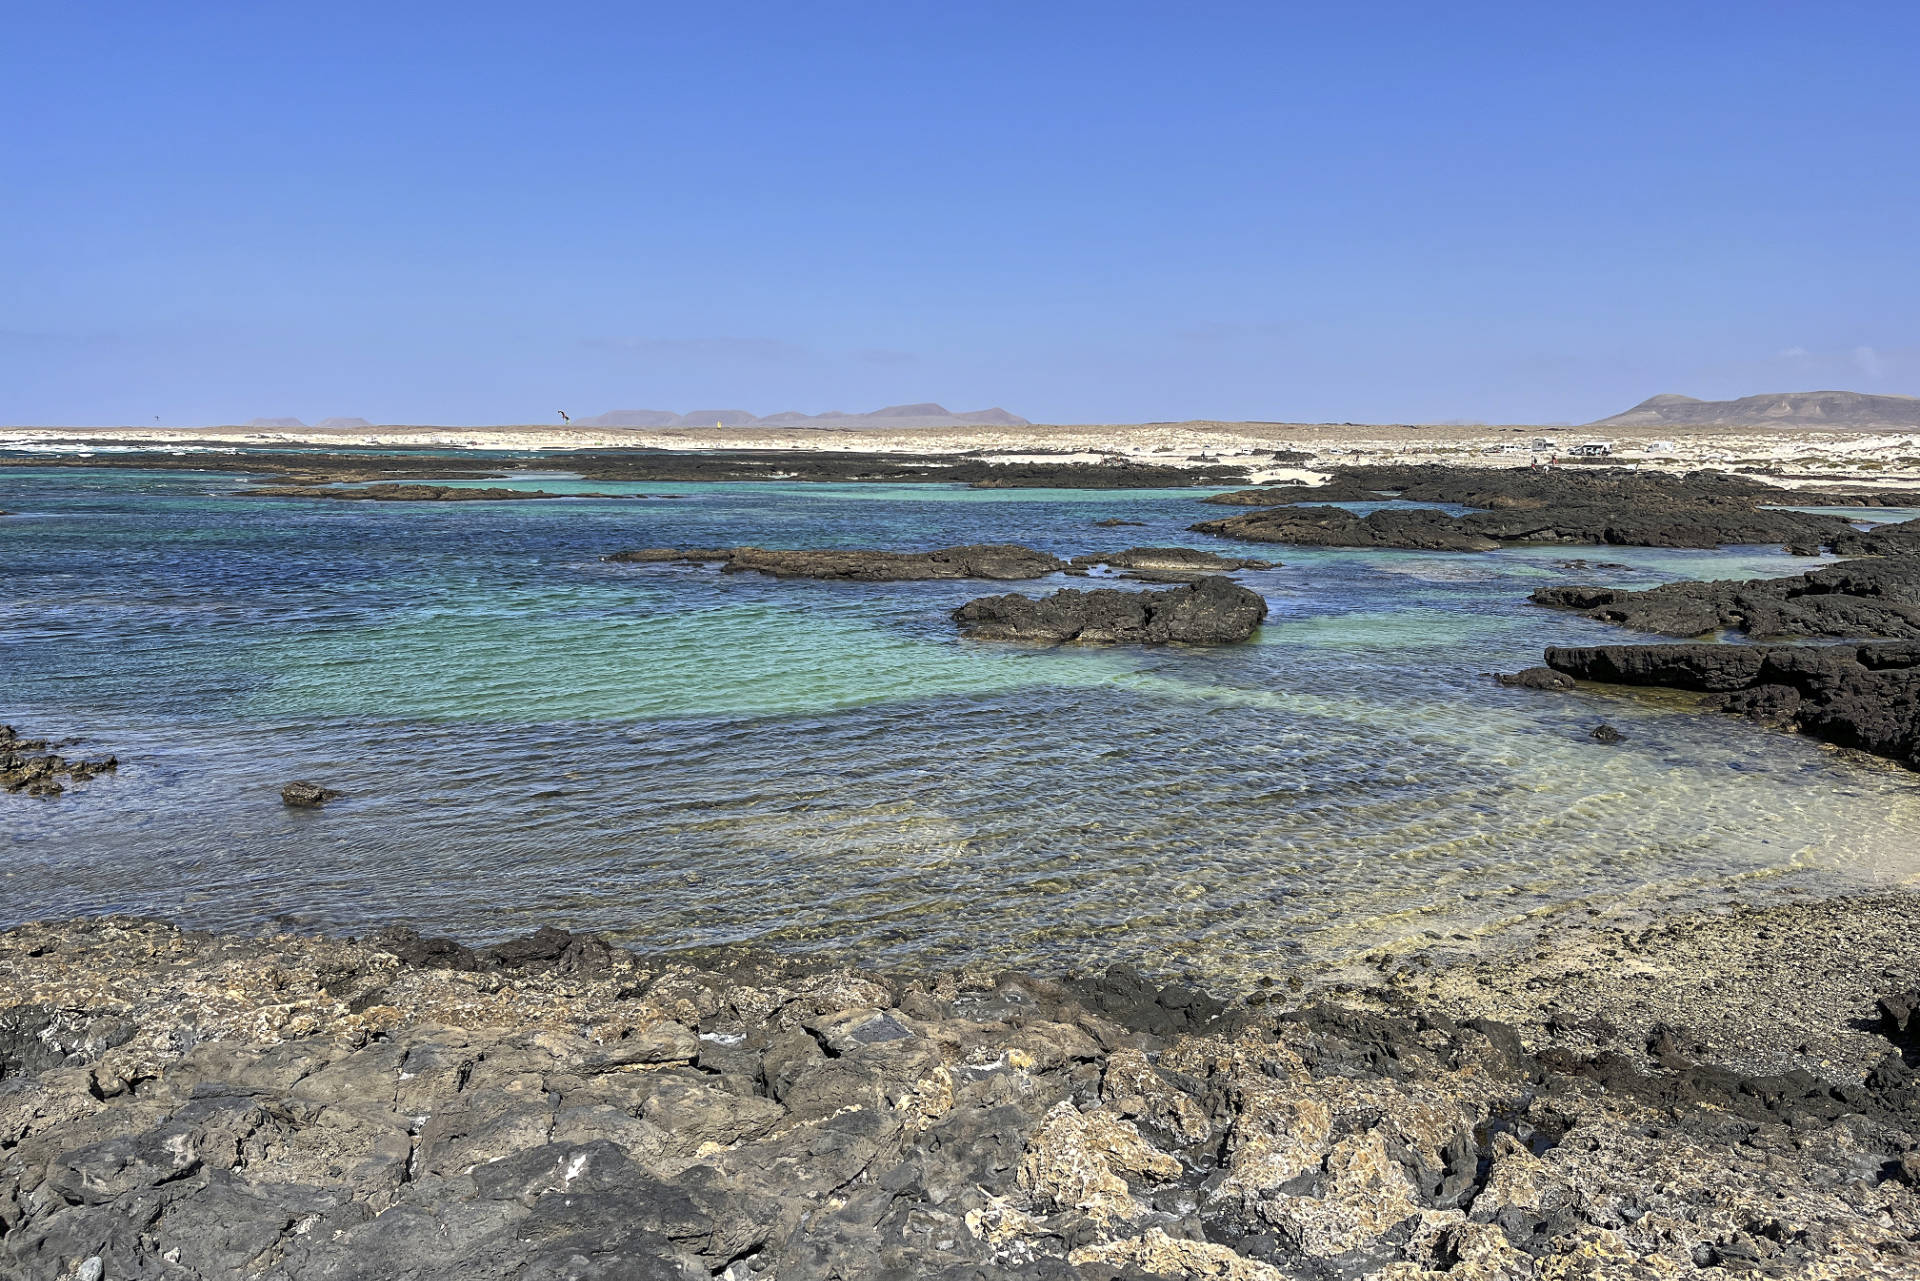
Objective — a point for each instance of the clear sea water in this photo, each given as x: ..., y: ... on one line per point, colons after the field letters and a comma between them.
x: 526, y: 734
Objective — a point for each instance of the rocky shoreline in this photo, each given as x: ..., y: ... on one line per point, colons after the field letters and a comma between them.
x: 1598, y: 506
x: 1855, y: 598
x: 1705, y: 1095
x: 1865, y: 697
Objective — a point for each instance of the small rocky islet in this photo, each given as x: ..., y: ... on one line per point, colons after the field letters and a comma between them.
x: 413, y: 493
x: 184, y: 1106
x: 1205, y: 609
x: 983, y: 560
x: 991, y: 561
x: 1211, y: 610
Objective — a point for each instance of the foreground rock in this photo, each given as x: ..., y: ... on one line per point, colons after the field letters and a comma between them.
x: 1859, y: 696
x: 183, y: 1106
x: 1211, y: 611
x: 32, y: 766
x: 992, y: 560
x: 1854, y: 598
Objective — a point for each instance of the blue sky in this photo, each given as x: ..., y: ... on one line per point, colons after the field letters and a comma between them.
x: 1116, y: 212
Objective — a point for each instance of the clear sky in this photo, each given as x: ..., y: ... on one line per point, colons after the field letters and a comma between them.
x: 478, y: 213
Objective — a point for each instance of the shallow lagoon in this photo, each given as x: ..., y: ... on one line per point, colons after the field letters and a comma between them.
x: 529, y: 735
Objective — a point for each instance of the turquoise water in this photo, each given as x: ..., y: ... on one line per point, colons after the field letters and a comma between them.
x: 526, y: 734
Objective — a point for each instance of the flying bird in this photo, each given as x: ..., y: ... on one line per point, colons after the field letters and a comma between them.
x: 563, y: 415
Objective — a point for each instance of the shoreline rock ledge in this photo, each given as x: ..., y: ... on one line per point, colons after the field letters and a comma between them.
x: 184, y: 1106
x: 1209, y: 611
x: 1860, y: 696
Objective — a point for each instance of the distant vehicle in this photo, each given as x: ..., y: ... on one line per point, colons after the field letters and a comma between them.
x: 1660, y: 447
x: 1545, y: 445
x: 1592, y: 449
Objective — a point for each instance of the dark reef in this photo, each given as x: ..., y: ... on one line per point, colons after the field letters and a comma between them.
x: 991, y: 560
x: 1856, y: 598
x: 1859, y: 696
x: 1598, y: 506
x: 1209, y: 611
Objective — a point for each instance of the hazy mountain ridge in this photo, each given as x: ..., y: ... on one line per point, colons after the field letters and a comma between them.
x: 325, y: 424
x: 1775, y: 409
x: 926, y: 414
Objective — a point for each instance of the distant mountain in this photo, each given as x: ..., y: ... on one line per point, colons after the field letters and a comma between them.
x: 1781, y: 409
x: 926, y: 414
x: 275, y: 422
x: 343, y: 424
x: 633, y: 418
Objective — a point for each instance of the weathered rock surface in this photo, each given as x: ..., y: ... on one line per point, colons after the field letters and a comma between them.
x: 1902, y: 539
x: 1415, y: 528
x: 1281, y: 495
x: 1001, y: 561
x: 1856, y: 598
x: 1211, y: 611
x: 183, y: 1106
x: 34, y: 766
x: 301, y: 794
x: 1859, y: 696
x: 1540, y: 488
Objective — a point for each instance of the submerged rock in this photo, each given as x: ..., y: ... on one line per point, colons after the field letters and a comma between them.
x: 1859, y: 696
x: 1536, y: 678
x: 987, y: 560
x: 1210, y: 611
x: 32, y: 766
x: 301, y: 794
x: 1854, y: 598
x: 1167, y: 564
